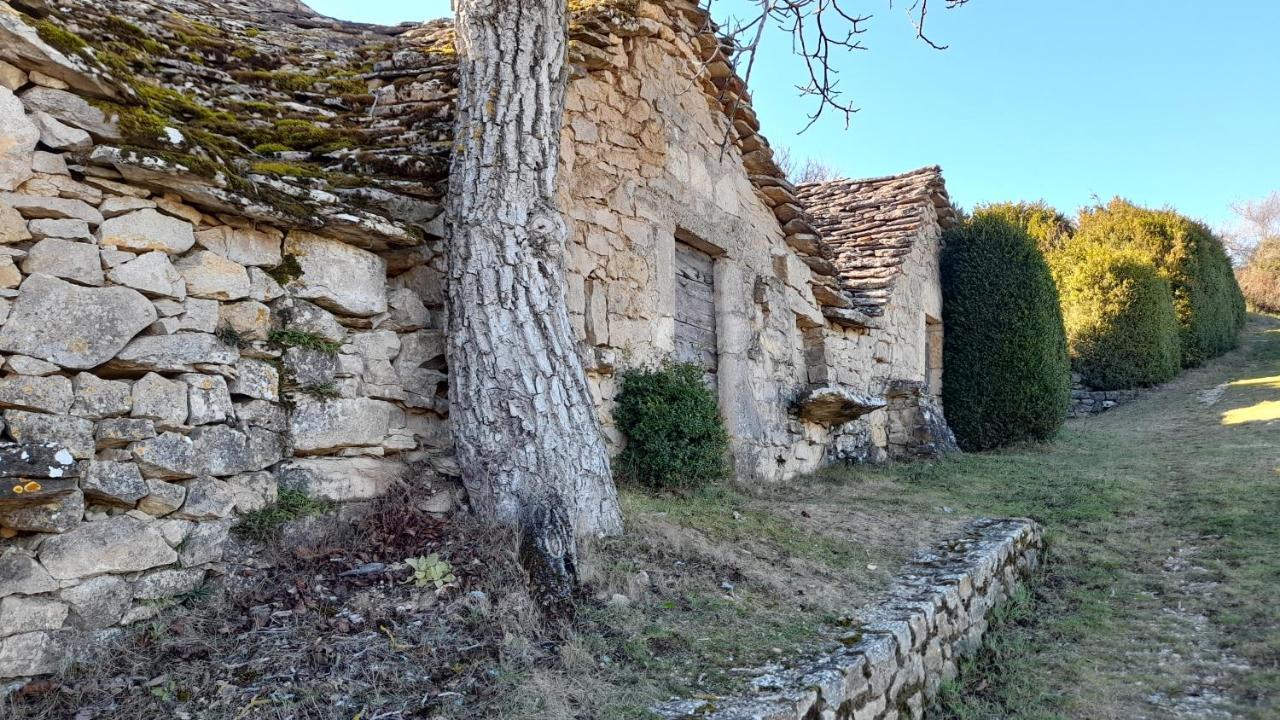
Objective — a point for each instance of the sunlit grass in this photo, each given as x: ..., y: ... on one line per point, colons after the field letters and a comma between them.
x: 1262, y: 412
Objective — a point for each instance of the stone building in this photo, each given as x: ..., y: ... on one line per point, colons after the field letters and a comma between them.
x: 221, y: 259
x: 886, y: 234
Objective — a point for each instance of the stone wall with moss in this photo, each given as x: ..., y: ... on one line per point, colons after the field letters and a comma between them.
x: 201, y: 306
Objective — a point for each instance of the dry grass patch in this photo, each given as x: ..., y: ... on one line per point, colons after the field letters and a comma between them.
x: 703, y: 588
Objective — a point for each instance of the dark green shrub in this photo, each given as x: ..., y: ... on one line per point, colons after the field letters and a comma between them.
x: 675, y: 438
x: 1206, y: 298
x: 1122, y: 331
x: 1005, y: 371
x: 1049, y: 228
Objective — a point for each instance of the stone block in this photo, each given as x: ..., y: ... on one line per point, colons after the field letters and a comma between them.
x: 21, y: 574
x: 256, y: 379
x: 48, y: 394
x: 33, y: 653
x: 98, y: 602
x: 182, y: 352
x: 214, y: 277
x: 96, y: 398
x: 114, y: 483
x: 337, y: 276
x: 341, y: 479
x: 254, y: 490
x: 21, y: 136
x: 168, y: 583
x: 146, y: 230
x: 307, y: 367
x: 20, y: 614
x: 205, y: 543
x: 72, y: 433
x: 319, y: 426
x: 151, y: 273
x: 119, y: 432
x: 208, y: 399
x: 72, y: 326
x: 207, y: 499
x: 156, y: 398
x: 162, y: 498
x: 65, y: 259
x: 250, y: 318
x: 245, y: 246
x: 119, y: 544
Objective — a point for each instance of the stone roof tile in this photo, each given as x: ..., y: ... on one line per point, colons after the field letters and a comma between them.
x: 871, y: 225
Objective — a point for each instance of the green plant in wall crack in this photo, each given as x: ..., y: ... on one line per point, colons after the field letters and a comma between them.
x: 231, y: 337
x: 430, y: 570
x: 298, y: 338
x: 675, y: 438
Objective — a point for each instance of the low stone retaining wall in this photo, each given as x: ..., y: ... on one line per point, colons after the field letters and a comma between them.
x: 1086, y: 401
x: 896, y: 654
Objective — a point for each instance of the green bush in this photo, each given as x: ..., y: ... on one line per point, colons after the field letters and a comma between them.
x: 1005, y: 371
x: 1260, y: 277
x: 675, y: 438
x: 1122, y: 331
x: 1206, y: 297
x: 1049, y: 228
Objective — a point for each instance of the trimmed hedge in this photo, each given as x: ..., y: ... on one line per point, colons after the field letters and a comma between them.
x: 1005, y: 372
x: 1260, y: 277
x: 675, y: 438
x: 1046, y: 225
x: 1206, y: 297
x: 1122, y: 331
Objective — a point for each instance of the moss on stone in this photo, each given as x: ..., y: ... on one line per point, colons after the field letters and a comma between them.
x: 271, y: 147
x: 286, y: 169
x: 59, y: 37
x: 299, y: 134
x: 287, y: 271
x: 121, y: 28
x: 286, y: 81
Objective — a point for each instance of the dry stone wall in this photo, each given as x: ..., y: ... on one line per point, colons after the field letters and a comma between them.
x: 894, y: 655
x: 170, y: 363
x: 1086, y: 401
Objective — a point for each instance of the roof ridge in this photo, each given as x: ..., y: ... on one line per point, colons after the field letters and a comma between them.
x: 927, y: 169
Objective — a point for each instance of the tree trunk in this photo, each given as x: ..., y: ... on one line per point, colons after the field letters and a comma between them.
x: 524, y: 422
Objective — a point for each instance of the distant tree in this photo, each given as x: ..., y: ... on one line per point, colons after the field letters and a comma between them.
x: 1257, y: 221
x: 1255, y: 243
x: 801, y: 173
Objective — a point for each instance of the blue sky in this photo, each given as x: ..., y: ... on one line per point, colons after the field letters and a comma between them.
x: 1170, y: 103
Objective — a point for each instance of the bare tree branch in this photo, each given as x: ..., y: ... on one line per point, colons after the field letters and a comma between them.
x: 819, y: 29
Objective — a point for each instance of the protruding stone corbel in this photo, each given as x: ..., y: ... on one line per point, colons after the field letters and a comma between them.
x: 835, y: 404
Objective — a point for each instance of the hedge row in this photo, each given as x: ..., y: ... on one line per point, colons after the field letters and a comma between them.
x: 1208, y: 302
x: 1130, y: 297
x: 1122, y: 331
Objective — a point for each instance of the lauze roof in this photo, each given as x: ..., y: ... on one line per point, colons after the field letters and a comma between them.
x: 871, y: 226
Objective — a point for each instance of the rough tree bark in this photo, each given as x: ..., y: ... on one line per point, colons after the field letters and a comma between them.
x: 528, y: 441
